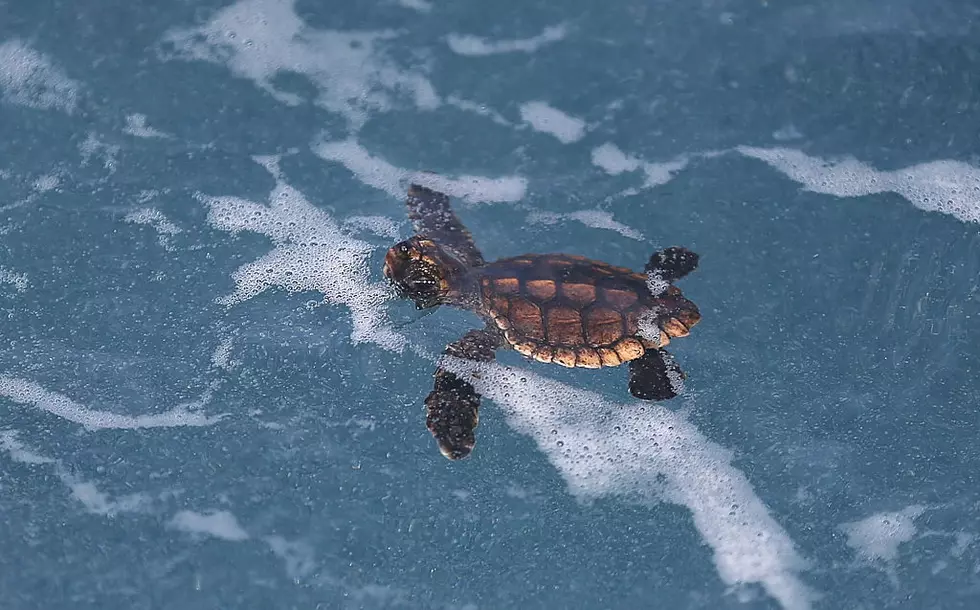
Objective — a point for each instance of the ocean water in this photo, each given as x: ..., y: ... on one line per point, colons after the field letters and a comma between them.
x: 209, y: 398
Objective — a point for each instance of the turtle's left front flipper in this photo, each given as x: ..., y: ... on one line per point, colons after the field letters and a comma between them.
x: 433, y: 216
x: 452, y: 408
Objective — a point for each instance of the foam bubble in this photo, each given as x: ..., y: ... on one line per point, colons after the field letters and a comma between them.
x: 877, y: 537
x: 597, y: 219
x: 546, y: 119
x: 217, y: 523
x: 379, y: 225
x: 380, y: 174
x: 950, y: 187
x: 644, y: 452
x: 310, y: 253
x: 28, y: 78
x: 476, y: 46
x: 296, y: 555
x: 422, y: 6
x: 92, y: 146
x: 155, y: 218
x: 47, y: 182
x: 20, y: 453
x: 23, y: 391
x: 221, y: 357
x: 17, y: 280
x: 480, y: 109
x: 259, y: 39
x: 136, y: 126
x: 614, y: 161
x: 85, y: 492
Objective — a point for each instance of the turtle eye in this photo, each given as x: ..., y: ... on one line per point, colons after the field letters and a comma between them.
x: 403, y: 249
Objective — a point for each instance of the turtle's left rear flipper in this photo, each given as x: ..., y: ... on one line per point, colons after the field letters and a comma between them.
x: 655, y: 376
x: 453, y: 406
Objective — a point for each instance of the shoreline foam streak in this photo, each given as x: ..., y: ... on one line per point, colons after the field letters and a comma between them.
x: 25, y: 392
x: 646, y: 453
x: 310, y: 253
x: 950, y: 187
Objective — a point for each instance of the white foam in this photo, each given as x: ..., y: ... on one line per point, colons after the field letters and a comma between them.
x: 550, y: 120
x: 297, y: 556
x: 476, y: 46
x: 221, y: 357
x: 877, y: 537
x: 597, y: 219
x: 422, y: 6
x: 644, y: 452
x: 310, y: 254
x: 477, y: 108
x: 379, y: 225
x: 136, y: 126
x: 217, y: 523
x: 614, y: 161
x: 47, y: 182
x: 85, y: 492
x: 29, y: 78
x: 23, y: 391
x: 380, y: 174
x: 259, y: 39
x: 161, y: 224
x: 18, y: 452
x: 92, y: 146
x: 950, y: 187
x: 97, y: 502
x: 17, y: 280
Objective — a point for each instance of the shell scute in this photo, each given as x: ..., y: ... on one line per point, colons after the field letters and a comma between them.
x: 525, y: 318
x: 541, y: 290
x: 577, y: 294
x: 564, y: 326
x: 603, y: 326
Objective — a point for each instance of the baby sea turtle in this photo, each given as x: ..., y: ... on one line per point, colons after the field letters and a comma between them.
x: 557, y: 308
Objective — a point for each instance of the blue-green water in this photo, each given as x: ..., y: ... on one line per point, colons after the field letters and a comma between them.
x: 210, y: 399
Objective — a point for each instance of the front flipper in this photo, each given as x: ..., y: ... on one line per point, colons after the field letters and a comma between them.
x: 655, y: 376
x: 672, y: 263
x: 452, y: 408
x: 433, y: 217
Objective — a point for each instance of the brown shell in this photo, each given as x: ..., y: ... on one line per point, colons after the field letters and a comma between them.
x: 577, y: 312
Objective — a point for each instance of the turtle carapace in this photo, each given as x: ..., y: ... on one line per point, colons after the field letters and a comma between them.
x: 557, y: 308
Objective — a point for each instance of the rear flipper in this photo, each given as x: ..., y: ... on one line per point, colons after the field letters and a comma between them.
x: 672, y: 263
x: 453, y: 406
x: 655, y: 376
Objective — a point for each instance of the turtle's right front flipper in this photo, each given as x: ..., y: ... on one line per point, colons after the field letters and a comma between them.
x: 453, y: 406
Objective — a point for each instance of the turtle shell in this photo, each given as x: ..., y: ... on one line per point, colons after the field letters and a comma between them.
x: 574, y: 311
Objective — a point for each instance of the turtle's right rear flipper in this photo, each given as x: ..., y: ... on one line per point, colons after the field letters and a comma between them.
x: 452, y: 414
x: 672, y: 263
x: 655, y: 376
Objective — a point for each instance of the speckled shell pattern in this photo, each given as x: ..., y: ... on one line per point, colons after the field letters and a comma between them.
x: 578, y: 312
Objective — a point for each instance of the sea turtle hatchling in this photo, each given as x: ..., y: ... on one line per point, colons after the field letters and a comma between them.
x: 558, y: 308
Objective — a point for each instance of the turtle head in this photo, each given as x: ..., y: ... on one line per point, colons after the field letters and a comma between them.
x: 423, y: 271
